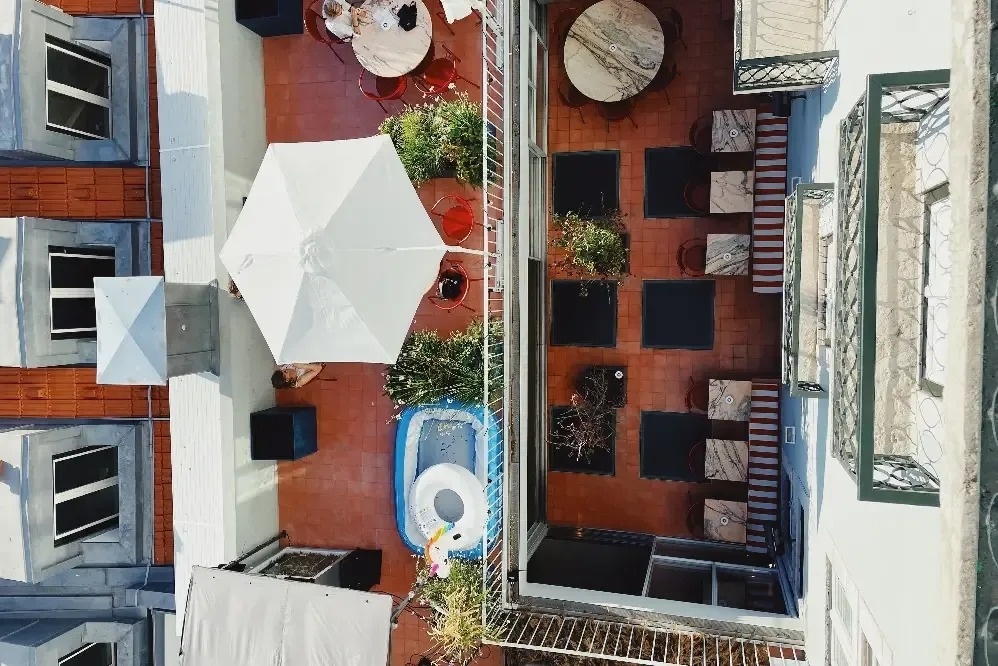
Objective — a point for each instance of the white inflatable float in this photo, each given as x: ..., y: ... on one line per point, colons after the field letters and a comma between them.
x: 449, y: 494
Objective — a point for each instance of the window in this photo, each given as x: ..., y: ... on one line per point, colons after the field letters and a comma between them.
x: 85, y: 490
x: 840, y: 621
x: 866, y: 656
x: 91, y: 654
x: 937, y: 264
x: 800, y: 548
x: 71, y: 289
x: 77, y: 90
x: 712, y: 583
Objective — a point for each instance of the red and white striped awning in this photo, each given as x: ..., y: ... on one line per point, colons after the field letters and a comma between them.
x: 770, y: 201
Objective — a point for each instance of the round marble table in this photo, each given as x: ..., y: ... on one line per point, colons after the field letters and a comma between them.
x: 613, y: 50
x: 385, y: 49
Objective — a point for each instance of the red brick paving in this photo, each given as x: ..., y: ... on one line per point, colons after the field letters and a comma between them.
x: 747, y: 325
x: 341, y: 496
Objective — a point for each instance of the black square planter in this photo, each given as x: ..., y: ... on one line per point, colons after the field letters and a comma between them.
x: 616, y: 387
x: 270, y: 18
x: 677, y: 314
x: 283, y: 433
x: 560, y: 460
x: 583, y: 320
x: 587, y: 183
x: 668, y: 445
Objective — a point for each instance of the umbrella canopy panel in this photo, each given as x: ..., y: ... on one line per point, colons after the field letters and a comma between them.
x: 131, y: 330
x: 251, y: 620
x: 333, y: 251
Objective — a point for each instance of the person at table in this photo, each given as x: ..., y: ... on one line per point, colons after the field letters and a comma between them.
x: 342, y: 19
x: 295, y: 375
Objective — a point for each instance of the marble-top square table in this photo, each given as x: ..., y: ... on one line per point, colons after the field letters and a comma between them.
x: 724, y: 521
x: 728, y: 254
x: 733, y: 131
x: 732, y: 191
x: 729, y: 400
x: 726, y: 460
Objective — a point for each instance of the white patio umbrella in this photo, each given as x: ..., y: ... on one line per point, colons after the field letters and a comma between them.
x: 333, y: 251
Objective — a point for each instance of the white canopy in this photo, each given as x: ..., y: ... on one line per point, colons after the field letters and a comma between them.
x: 253, y: 620
x: 333, y: 251
x: 131, y: 330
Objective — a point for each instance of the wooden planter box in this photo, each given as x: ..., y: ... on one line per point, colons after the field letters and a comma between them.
x: 357, y: 569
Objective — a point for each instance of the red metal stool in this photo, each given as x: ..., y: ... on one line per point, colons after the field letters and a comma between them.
x: 440, y: 74
x: 452, y: 276
x: 572, y: 97
x: 315, y: 26
x: 458, y: 220
x: 692, y: 257
x: 385, y: 88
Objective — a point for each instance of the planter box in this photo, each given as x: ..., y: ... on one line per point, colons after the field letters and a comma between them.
x: 616, y: 387
x: 357, y: 569
x: 561, y: 459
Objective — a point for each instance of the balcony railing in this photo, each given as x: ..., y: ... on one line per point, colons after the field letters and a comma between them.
x: 886, y: 423
x: 778, y: 46
x: 804, y: 290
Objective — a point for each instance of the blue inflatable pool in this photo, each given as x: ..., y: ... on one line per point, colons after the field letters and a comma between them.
x: 447, y: 432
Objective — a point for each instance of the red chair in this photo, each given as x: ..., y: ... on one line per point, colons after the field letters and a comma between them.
x: 695, y: 461
x: 561, y: 26
x: 424, y: 63
x: 457, y: 220
x: 697, y: 396
x: 440, y: 74
x: 694, y: 517
x: 452, y: 287
x: 315, y: 26
x: 700, y: 134
x: 386, y: 88
x: 614, y: 112
x: 692, y: 257
x: 696, y: 195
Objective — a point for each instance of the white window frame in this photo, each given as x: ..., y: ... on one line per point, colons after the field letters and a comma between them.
x: 714, y: 568
x: 63, y: 293
x: 858, y: 636
x: 88, y: 646
x: 80, y: 491
x: 934, y: 383
x: 79, y: 53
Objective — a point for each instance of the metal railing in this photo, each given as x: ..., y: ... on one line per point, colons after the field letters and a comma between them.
x: 878, y: 409
x: 787, y: 66
x: 634, y: 644
x: 494, y: 196
x: 800, y: 367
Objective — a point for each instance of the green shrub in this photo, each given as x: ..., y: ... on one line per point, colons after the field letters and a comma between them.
x: 439, y: 140
x: 430, y: 368
x: 593, y: 245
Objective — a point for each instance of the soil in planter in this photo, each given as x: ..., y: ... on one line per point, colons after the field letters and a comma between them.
x: 300, y: 565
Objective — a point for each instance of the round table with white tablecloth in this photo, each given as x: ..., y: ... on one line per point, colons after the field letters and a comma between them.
x: 385, y: 49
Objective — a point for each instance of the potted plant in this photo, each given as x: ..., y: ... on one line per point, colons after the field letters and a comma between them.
x: 456, y: 618
x: 584, y: 434
x: 440, y: 139
x: 615, y: 377
x: 430, y: 368
x: 594, y: 246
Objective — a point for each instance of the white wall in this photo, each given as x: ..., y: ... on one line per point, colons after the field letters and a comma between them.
x: 212, y: 133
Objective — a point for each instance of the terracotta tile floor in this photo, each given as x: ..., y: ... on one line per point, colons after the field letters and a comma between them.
x: 342, y: 495
x: 747, y: 324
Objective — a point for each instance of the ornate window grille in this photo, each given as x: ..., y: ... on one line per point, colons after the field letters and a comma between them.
x: 878, y: 413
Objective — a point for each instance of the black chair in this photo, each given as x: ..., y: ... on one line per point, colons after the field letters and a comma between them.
x: 614, y: 112
x: 694, y: 517
x: 560, y: 27
x: 696, y: 194
x: 572, y: 97
x: 700, y: 134
x: 424, y: 63
x: 666, y: 74
x: 672, y: 26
